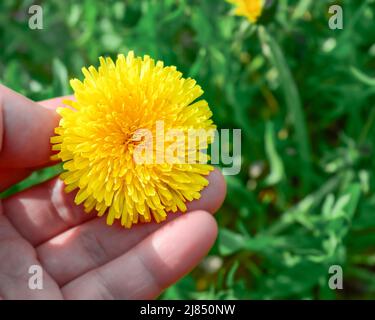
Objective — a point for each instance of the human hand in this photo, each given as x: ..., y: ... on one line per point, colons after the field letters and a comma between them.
x: 81, y: 257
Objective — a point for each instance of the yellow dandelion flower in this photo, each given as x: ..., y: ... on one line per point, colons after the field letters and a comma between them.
x: 98, y: 136
x: 251, y: 9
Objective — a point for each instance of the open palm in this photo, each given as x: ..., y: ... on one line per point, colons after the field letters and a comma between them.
x: 81, y: 257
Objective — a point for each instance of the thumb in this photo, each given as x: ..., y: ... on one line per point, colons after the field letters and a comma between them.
x: 25, y: 131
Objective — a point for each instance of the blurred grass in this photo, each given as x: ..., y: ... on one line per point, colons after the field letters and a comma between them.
x: 303, y: 96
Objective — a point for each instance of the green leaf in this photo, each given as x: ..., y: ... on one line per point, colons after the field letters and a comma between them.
x: 230, y: 242
x: 35, y: 178
x: 276, y: 164
x: 60, y: 78
x: 301, y: 8
x: 231, y: 274
x: 362, y: 77
x: 292, y: 98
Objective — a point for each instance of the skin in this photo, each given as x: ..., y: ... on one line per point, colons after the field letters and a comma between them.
x: 81, y: 257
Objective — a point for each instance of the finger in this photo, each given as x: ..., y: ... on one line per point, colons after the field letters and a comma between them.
x: 17, y: 256
x: 154, y: 264
x: 11, y: 176
x: 45, y: 211
x: 92, y: 244
x: 8, y: 177
x: 25, y: 131
x: 89, y: 246
x: 55, y: 102
x: 41, y: 212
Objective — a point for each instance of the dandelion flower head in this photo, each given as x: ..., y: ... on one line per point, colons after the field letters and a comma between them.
x: 251, y: 9
x: 97, y: 138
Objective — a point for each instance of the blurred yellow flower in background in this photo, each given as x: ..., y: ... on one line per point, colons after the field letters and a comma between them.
x: 251, y: 9
x: 98, y: 136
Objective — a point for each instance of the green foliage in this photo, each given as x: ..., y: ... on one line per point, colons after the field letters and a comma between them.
x: 302, y: 94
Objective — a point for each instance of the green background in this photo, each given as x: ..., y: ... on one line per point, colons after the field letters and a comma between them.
x: 302, y: 94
